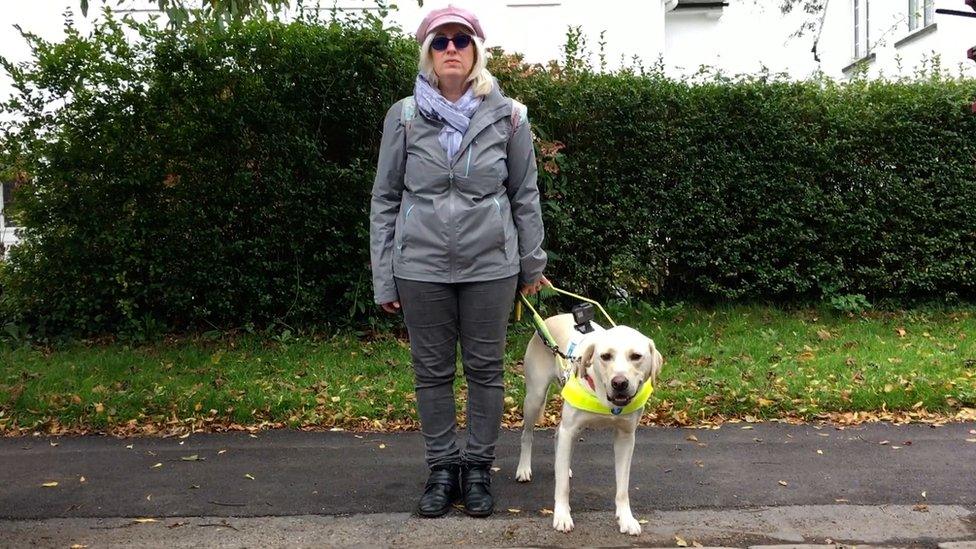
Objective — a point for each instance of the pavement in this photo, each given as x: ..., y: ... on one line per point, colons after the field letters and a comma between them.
x: 736, y: 486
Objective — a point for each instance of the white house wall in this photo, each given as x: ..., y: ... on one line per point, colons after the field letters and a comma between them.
x: 741, y: 38
x: 948, y: 39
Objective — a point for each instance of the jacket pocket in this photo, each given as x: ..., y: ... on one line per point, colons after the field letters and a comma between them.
x: 400, y: 238
x: 502, y: 240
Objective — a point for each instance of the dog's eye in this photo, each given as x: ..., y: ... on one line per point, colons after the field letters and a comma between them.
x: 606, y: 356
x: 636, y: 356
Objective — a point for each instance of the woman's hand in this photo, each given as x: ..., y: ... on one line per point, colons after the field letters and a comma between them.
x: 392, y: 307
x: 529, y: 289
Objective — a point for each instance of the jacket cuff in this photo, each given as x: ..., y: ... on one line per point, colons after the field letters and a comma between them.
x: 532, y: 267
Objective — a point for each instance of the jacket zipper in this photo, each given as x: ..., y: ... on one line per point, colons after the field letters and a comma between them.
x: 450, y: 201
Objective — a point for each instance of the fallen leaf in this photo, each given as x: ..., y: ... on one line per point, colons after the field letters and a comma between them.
x: 699, y: 463
x: 901, y: 332
x: 823, y: 335
x: 820, y: 452
x: 221, y: 452
x: 248, y: 475
x: 496, y: 469
x: 783, y: 483
x: 642, y: 521
x: 382, y: 446
x: 149, y: 497
x: 144, y: 520
x: 194, y: 486
x: 746, y: 427
x: 49, y: 484
x: 680, y: 542
x: 194, y: 457
x: 971, y: 440
x: 514, y: 510
x: 545, y: 511
x: 82, y: 479
x: 923, y: 495
x: 54, y: 444
x: 883, y: 442
x: 692, y: 438
x: 129, y: 446
x: 157, y: 465
x: 841, y: 500
x: 79, y: 546
x: 921, y: 508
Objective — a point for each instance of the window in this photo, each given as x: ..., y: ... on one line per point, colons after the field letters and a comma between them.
x: 862, y: 28
x: 7, y: 192
x: 921, y: 13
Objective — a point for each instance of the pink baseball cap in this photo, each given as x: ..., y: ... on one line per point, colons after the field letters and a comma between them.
x: 450, y: 14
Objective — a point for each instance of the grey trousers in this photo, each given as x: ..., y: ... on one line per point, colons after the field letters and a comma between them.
x: 437, y: 316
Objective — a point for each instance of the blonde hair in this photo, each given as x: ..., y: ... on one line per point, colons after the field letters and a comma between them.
x: 481, y: 80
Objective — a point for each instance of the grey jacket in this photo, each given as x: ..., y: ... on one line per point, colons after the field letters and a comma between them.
x: 474, y: 218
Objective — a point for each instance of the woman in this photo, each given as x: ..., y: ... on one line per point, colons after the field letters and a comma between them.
x: 455, y: 225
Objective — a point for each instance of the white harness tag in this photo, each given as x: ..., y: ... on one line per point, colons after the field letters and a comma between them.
x: 574, y: 348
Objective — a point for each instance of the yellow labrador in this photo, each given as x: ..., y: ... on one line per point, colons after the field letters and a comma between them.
x: 618, y: 361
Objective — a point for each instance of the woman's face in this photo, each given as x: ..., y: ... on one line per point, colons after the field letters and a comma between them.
x: 453, y: 62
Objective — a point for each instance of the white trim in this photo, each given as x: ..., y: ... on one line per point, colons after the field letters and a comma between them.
x: 8, y: 235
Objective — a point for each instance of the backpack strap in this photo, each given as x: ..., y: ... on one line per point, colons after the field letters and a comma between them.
x: 520, y: 113
x: 409, y: 110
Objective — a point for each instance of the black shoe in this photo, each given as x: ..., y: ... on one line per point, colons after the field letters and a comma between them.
x: 476, y: 490
x: 441, y: 491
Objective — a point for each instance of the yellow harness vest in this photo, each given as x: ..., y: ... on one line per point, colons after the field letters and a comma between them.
x: 576, y: 394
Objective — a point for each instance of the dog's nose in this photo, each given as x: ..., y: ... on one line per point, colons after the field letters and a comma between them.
x: 619, y: 383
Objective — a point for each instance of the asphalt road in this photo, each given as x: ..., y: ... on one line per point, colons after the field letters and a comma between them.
x: 280, y: 473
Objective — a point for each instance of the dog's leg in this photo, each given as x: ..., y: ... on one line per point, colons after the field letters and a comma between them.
x: 623, y: 452
x: 561, y: 519
x: 540, y: 370
x: 535, y: 402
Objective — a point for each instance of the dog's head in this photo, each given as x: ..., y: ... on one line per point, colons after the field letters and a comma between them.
x: 620, y: 360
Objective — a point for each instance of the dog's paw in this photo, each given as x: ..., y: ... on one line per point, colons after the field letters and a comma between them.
x: 562, y: 522
x: 629, y: 525
x: 523, y: 473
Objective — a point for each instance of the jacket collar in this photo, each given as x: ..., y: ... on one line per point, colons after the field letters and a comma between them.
x: 494, y: 107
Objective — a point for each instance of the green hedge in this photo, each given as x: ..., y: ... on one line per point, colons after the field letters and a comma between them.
x: 221, y: 179
x: 758, y: 189
x: 202, y: 180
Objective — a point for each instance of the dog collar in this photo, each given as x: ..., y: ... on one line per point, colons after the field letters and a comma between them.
x: 575, y: 393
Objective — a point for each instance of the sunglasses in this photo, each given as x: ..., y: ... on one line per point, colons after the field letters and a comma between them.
x: 461, y: 41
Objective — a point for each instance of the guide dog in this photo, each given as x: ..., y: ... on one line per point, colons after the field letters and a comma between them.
x: 616, y: 362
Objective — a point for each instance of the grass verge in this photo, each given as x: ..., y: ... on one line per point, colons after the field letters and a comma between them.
x: 728, y: 363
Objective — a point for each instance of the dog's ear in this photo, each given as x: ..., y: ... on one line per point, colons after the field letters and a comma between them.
x: 584, y: 359
x: 657, y: 361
